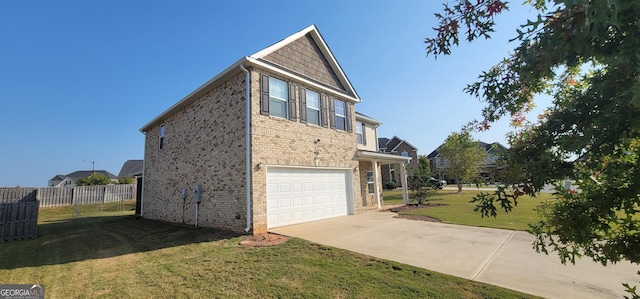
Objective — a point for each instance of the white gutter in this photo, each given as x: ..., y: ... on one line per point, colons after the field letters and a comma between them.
x: 143, y: 179
x: 189, y: 98
x: 247, y: 143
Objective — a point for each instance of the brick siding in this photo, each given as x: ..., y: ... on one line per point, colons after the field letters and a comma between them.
x: 282, y: 142
x: 204, y: 144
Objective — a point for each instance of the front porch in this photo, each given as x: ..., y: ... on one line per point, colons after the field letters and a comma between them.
x: 371, y: 179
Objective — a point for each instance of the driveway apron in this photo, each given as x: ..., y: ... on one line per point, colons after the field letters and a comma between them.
x: 500, y: 257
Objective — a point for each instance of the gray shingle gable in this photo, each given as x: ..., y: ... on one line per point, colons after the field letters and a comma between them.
x: 131, y: 168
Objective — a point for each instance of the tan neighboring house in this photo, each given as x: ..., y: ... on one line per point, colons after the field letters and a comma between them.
x: 272, y: 140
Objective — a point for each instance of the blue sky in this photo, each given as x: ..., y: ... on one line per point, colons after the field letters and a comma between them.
x: 79, y: 78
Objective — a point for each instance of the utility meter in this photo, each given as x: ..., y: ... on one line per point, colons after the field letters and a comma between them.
x: 198, y: 193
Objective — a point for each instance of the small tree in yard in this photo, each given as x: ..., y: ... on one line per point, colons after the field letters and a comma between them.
x: 94, y: 179
x: 463, y: 157
x: 420, y: 181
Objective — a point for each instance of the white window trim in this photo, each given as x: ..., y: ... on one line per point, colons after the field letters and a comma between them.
x: 286, y: 101
x: 313, y: 108
x: 343, y: 116
x: 371, y: 190
x: 336, y: 108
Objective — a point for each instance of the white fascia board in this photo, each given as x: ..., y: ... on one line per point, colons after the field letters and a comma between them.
x: 317, y: 37
x: 382, y: 157
x: 184, y: 101
x: 270, y: 49
x: 405, y: 142
x: 334, y: 63
x: 368, y: 119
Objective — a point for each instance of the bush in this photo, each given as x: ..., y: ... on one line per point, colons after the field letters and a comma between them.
x: 421, y: 187
x: 94, y: 179
x: 391, y: 185
x: 126, y: 180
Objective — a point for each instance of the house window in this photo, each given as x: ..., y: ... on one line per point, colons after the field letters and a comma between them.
x: 277, y: 97
x: 161, y: 136
x: 359, y: 133
x: 371, y: 187
x: 404, y: 154
x: 313, y: 107
x: 340, y: 118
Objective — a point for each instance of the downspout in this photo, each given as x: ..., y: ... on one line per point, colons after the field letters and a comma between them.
x: 143, y: 179
x: 247, y: 142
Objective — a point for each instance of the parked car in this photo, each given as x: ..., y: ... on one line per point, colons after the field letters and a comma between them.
x: 438, y: 184
x: 444, y: 183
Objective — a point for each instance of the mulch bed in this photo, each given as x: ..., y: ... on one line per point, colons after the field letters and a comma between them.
x: 264, y: 240
x: 413, y: 207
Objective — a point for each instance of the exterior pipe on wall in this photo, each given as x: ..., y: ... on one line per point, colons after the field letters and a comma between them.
x: 144, y: 169
x: 247, y: 143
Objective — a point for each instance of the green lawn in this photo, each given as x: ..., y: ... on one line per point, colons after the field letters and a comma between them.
x: 109, y: 253
x: 457, y: 209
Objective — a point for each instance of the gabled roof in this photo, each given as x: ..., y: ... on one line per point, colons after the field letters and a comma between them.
x: 312, y: 33
x: 434, y: 153
x: 260, y: 59
x: 495, y: 147
x: 58, y: 177
x: 392, y: 144
x: 382, y: 142
x: 84, y: 173
x: 363, y: 118
x: 404, y: 142
x: 131, y: 168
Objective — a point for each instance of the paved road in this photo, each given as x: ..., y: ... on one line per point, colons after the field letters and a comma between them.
x: 499, y: 257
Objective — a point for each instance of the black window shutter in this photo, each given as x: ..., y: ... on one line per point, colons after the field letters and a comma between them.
x: 332, y: 114
x: 323, y: 111
x: 364, y: 134
x: 264, y: 95
x: 293, y: 111
x: 347, y: 108
x: 303, y: 105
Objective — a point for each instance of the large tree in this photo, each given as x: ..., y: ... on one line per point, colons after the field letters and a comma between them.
x: 462, y: 157
x: 585, y: 54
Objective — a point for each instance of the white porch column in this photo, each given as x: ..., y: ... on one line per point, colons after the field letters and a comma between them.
x: 403, y: 177
x: 374, y: 164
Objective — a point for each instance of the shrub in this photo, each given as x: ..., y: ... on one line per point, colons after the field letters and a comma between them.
x: 391, y: 185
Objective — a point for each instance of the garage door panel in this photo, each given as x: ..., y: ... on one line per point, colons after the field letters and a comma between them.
x: 302, y: 195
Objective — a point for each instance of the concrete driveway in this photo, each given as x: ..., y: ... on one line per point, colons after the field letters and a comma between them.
x: 499, y: 257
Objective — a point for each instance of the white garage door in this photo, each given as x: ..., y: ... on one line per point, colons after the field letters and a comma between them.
x: 296, y: 195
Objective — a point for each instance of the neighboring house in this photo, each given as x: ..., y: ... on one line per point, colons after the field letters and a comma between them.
x: 270, y: 141
x: 397, y: 146
x: 70, y: 180
x: 489, y: 165
x: 60, y: 180
x: 131, y: 169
